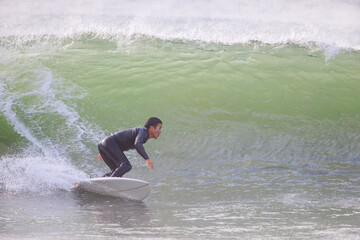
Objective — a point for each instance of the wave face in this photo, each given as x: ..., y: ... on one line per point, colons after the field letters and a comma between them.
x: 237, y: 85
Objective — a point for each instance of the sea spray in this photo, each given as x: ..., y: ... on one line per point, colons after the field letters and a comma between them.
x: 32, y: 173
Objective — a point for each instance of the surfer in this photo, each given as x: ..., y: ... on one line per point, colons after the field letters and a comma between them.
x: 112, y: 148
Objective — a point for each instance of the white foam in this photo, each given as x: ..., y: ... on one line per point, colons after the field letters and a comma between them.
x: 331, y: 23
x: 37, y: 174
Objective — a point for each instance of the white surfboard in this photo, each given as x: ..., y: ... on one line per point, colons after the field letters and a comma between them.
x: 118, y: 187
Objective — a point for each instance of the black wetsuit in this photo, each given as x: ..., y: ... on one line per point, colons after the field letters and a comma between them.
x: 112, y: 149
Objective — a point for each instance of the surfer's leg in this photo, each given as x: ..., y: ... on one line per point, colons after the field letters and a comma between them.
x: 124, y: 166
x: 121, y: 170
x: 114, y: 157
x: 112, y: 165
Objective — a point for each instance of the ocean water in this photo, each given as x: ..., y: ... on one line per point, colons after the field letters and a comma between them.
x: 260, y: 103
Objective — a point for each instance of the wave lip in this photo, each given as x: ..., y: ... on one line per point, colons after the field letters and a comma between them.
x: 325, y: 23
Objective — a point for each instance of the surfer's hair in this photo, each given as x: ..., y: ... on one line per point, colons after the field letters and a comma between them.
x: 153, y: 121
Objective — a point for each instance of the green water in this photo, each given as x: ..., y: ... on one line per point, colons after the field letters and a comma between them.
x: 237, y: 96
x: 258, y: 140
x: 212, y: 82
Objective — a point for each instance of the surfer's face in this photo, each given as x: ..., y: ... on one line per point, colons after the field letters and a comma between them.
x: 155, y: 132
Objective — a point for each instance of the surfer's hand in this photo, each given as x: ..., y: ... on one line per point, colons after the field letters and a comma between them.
x: 100, y: 158
x: 149, y: 163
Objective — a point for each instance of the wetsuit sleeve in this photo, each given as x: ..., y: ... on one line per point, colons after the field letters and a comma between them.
x: 139, y: 141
